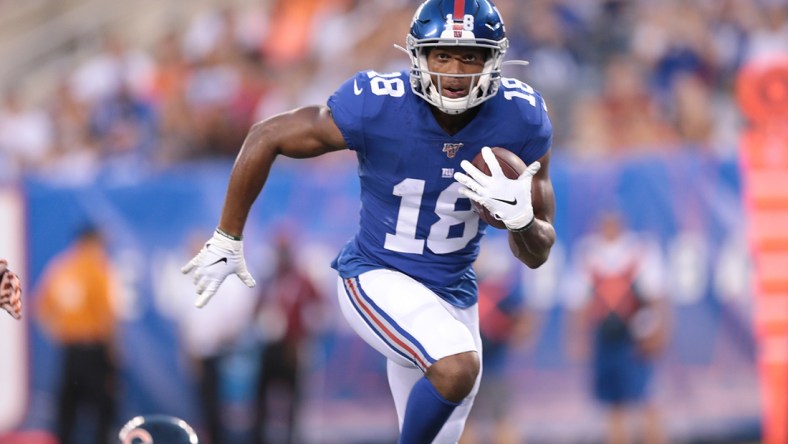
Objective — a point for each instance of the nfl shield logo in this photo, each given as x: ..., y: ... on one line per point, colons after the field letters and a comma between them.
x: 451, y: 149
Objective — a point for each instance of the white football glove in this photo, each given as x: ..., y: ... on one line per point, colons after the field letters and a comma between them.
x: 508, y: 200
x: 219, y: 258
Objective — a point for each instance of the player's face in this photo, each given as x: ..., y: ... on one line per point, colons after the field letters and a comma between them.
x: 455, y: 60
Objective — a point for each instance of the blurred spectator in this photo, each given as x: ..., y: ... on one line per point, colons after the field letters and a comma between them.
x: 125, y: 128
x: 692, y: 111
x: 672, y: 42
x: 610, y: 26
x: 590, y: 133
x: 116, y: 66
x: 291, y: 27
x: 226, y: 29
x: 632, y: 118
x: 769, y: 36
x: 621, y: 312
x: 178, y: 140
x: 26, y: 136
x: 623, y: 118
x: 76, y: 153
x: 75, y: 307
x: 211, y: 91
x: 289, y: 309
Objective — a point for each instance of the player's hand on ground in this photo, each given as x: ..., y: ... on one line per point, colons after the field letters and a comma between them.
x: 220, y: 257
x: 10, y: 291
x: 508, y: 200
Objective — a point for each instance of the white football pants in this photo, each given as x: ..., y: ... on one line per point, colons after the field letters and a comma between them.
x: 412, y: 327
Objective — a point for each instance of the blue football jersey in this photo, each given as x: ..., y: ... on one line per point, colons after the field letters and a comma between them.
x: 413, y: 218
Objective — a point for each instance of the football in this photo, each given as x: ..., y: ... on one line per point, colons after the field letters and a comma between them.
x: 512, y: 167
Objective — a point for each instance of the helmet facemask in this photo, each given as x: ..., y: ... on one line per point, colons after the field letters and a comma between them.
x: 484, y: 85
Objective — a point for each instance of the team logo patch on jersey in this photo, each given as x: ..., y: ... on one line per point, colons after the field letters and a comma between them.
x: 451, y: 149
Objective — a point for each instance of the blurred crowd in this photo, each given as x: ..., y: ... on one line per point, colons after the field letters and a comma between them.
x: 619, y: 76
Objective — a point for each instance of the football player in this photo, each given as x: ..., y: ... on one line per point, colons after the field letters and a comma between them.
x: 406, y: 284
x: 10, y: 291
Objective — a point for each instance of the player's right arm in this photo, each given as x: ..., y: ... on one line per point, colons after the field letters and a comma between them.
x: 301, y: 133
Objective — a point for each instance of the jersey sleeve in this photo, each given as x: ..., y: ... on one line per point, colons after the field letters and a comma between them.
x: 541, y: 134
x: 347, y: 110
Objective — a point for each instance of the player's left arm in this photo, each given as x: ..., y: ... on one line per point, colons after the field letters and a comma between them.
x: 532, y: 245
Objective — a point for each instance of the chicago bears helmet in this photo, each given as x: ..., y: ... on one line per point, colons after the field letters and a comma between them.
x: 474, y: 23
x: 157, y: 429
